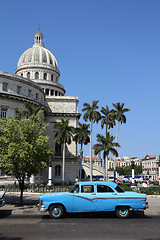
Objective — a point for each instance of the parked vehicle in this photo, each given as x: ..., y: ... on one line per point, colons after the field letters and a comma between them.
x: 95, y: 196
x: 2, y: 202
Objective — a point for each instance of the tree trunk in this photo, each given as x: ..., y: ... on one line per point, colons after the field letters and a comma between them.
x: 21, y: 186
x: 63, y: 168
x: 81, y: 156
x: 91, y: 152
x: 106, y: 168
x: 115, y: 156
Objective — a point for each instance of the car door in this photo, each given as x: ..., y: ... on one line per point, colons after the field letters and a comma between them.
x: 106, y: 198
x: 85, y: 200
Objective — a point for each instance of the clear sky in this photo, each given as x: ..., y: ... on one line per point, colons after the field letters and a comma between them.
x: 107, y: 50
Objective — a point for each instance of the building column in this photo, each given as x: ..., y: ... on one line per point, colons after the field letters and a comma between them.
x: 32, y: 179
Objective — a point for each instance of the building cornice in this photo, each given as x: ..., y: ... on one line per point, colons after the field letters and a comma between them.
x: 62, y: 99
x: 21, y: 79
x: 19, y: 98
x: 77, y: 115
x: 37, y: 66
x: 50, y: 84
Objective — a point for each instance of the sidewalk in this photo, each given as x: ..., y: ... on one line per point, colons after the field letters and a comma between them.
x: 32, y: 199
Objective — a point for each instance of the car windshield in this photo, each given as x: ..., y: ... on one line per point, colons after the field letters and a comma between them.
x: 119, y: 189
x: 75, y: 189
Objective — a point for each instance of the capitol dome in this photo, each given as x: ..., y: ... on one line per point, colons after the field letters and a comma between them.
x: 39, y: 65
x: 37, y: 54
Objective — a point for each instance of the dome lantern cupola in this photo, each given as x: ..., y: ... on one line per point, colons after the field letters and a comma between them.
x: 38, y: 38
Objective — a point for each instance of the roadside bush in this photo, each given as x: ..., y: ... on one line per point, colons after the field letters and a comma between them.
x: 155, y: 190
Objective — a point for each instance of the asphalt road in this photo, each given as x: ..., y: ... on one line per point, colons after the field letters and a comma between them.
x: 79, y: 226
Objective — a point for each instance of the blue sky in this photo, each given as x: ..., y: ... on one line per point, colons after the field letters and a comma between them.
x: 107, y: 50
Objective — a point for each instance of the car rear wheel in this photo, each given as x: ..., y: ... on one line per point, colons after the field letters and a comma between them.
x: 56, y: 211
x: 123, y: 212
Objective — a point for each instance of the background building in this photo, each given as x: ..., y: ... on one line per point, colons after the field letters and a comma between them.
x: 150, y: 168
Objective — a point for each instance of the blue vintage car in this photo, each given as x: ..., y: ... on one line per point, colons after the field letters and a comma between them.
x: 96, y: 196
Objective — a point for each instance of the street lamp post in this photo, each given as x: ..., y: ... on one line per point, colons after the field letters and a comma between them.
x: 159, y: 169
x: 50, y: 173
x: 132, y: 164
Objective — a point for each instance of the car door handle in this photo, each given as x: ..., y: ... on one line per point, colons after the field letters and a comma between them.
x: 114, y: 193
x: 93, y: 194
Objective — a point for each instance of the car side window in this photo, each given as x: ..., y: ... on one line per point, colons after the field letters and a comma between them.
x: 87, y: 189
x: 75, y: 189
x: 104, y: 189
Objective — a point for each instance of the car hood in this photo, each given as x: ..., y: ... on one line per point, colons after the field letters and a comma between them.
x: 54, y: 194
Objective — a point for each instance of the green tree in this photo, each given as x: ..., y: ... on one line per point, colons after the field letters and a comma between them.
x: 138, y: 169
x: 106, y: 145
x: 24, y: 149
x: 93, y: 116
x: 107, y: 118
x: 128, y: 170
x: 81, y: 136
x: 64, y: 136
x: 119, y: 115
x: 120, y: 170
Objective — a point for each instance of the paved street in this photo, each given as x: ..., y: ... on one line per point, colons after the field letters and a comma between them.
x: 23, y: 223
x: 85, y: 226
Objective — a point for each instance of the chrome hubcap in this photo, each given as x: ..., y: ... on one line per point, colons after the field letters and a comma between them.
x: 123, y: 212
x: 56, y: 211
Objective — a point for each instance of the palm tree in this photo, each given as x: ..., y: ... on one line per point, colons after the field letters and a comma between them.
x: 121, y: 118
x: 82, y: 137
x: 31, y: 111
x: 107, y: 118
x: 93, y: 116
x: 105, y: 145
x: 63, y: 136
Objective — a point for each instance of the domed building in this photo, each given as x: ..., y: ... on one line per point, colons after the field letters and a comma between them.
x: 36, y: 80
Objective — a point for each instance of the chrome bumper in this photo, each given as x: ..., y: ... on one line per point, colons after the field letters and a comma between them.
x: 2, y: 203
x: 145, y: 206
x: 41, y: 207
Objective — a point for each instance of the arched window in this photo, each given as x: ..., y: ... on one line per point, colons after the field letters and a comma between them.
x: 52, y: 92
x: 37, y: 75
x: 58, y: 171
x: 45, y: 76
x: 28, y: 75
x: 47, y: 91
x: 37, y: 96
x: 58, y: 149
x: 52, y: 77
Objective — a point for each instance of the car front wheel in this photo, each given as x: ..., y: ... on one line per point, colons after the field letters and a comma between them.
x: 122, y: 212
x: 56, y: 211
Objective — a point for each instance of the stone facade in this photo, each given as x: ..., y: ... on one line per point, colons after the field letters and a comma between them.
x: 97, y: 168
x: 150, y: 167
x: 36, y: 80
